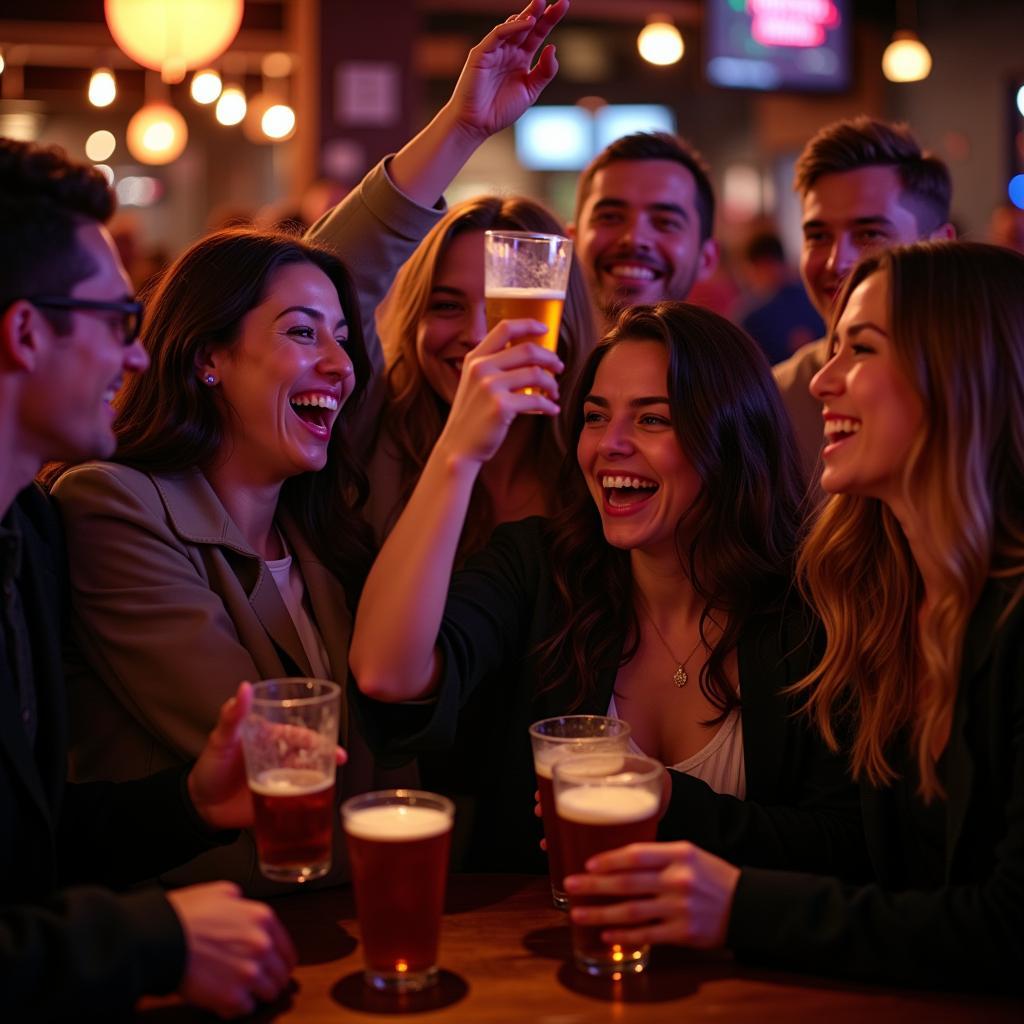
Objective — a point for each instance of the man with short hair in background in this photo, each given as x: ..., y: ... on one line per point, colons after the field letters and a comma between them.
x: 864, y: 185
x: 70, y: 949
x: 645, y: 212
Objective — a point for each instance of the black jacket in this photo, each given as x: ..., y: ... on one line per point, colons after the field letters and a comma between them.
x: 967, y: 932
x: 68, y: 949
x: 500, y: 606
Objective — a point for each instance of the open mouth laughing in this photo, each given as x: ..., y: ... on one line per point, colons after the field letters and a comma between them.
x: 625, y: 493
x: 316, y: 409
x: 837, y: 430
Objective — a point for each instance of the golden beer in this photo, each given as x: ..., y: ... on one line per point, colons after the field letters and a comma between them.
x: 527, y: 304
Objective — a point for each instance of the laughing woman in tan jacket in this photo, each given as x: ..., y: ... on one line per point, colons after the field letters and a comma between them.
x: 223, y: 542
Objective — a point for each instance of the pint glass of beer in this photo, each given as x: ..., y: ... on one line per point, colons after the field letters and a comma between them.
x: 289, y: 738
x: 398, y: 843
x: 605, y: 801
x: 525, y: 275
x: 552, y: 740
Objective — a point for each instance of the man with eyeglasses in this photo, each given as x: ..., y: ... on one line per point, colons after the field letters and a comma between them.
x: 68, y: 948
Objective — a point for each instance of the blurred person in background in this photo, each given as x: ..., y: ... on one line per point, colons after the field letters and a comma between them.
x: 779, y: 316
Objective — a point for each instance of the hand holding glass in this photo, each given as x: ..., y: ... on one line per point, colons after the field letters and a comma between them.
x: 605, y: 801
x: 290, y: 737
x: 554, y: 739
x: 526, y: 275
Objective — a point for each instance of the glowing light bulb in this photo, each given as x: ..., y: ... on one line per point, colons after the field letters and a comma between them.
x: 100, y: 145
x: 157, y: 134
x: 231, y: 106
x: 102, y: 87
x: 1020, y: 100
x: 659, y: 41
x: 906, y: 58
x: 206, y: 86
x: 278, y: 122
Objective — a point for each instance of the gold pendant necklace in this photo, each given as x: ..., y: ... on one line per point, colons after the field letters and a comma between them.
x: 680, y: 677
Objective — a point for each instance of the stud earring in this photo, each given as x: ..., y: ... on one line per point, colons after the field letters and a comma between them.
x: 210, y: 379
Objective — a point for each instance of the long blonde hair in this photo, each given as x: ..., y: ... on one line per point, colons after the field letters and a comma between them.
x: 892, y: 666
x: 415, y: 414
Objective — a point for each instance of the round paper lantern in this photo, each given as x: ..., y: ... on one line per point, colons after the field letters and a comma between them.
x: 157, y: 134
x: 173, y: 36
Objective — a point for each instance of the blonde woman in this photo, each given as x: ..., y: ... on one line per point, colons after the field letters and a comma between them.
x: 916, y: 567
x: 433, y: 317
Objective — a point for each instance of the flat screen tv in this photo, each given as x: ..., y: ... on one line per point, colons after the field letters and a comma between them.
x: 779, y: 45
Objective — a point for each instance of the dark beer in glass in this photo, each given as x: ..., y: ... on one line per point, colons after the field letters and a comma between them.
x: 604, y: 803
x: 289, y: 737
x: 553, y: 739
x: 398, y: 843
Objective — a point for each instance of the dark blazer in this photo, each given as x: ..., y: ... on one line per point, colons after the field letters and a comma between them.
x: 500, y: 606
x: 78, y: 951
x: 967, y: 932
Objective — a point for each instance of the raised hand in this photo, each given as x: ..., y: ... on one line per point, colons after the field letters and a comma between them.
x: 237, y: 951
x: 488, y: 400
x: 671, y: 892
x: 497, y: 82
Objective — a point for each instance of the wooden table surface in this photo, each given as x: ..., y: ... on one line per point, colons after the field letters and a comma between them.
x: 505, y: 958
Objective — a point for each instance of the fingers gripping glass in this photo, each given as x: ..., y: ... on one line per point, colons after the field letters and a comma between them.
x: 130, y: 311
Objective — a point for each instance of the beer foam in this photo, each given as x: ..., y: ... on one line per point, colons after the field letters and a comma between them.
x: 392, y: 823
x: 605, y: 805
x: 512, y: 292
x: 544, y: 761
x: 290, y: 782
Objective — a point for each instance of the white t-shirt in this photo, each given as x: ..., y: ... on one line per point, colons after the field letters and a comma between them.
x: 293, y: 590
x: 719, y: 763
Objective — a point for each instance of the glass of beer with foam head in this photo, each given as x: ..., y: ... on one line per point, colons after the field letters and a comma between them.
x: 525, y: 275
x: 398, y: 842
x: 605, y: 801
x: 289, y: 738
x: 556, y: 738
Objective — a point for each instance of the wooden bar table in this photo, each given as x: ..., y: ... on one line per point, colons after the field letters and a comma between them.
x: 505, y: 957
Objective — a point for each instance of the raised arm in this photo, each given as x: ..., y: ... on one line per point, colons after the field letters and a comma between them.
x: 496, y: 85
x: 393, y: 654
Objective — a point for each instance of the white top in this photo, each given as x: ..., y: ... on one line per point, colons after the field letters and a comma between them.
x: 719, y: 762
x: 293, y: 591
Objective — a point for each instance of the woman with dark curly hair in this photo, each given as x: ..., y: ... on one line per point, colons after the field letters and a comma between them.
x: 916, y: 567
x: 661, y: 594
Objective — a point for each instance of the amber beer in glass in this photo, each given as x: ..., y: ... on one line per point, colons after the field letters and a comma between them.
x: 289, y: 738
x: 553, y: 739
x: 525, y: 275
x: 398, y: 841
x: 605, y: 801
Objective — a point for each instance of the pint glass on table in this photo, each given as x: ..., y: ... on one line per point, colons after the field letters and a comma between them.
x: 525, y: 275
x: 605, y: 801
x: 398, y: 842
x: 289, y: 738
x: 556, y: 738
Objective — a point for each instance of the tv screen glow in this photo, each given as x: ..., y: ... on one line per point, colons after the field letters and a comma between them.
x: 794, y: 45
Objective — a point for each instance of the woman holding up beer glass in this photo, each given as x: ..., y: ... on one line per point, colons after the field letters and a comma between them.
x: 662, y: 594
x: 917, y: 567
x: 432, y: 318
x: 224, y: 540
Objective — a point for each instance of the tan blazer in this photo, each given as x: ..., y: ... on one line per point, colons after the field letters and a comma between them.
x: 171, y: 608
x: 793, y: 377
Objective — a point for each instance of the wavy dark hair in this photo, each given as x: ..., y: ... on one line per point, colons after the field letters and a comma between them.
x: 169, y: 421
x: 737, y: 541
x: 415, y: 414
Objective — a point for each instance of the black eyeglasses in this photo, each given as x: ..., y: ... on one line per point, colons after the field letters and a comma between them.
x: 130, y: 311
